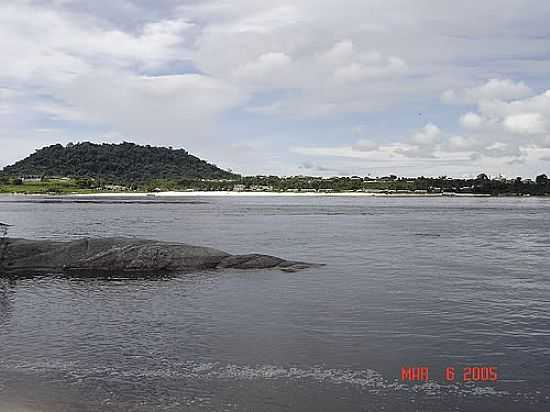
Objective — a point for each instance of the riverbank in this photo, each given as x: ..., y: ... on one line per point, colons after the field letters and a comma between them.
x: 249, y: 194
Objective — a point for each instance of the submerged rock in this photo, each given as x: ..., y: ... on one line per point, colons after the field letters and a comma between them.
x: 114, y: 256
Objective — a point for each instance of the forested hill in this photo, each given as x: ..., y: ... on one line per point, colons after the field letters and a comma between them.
x: 124, y: 163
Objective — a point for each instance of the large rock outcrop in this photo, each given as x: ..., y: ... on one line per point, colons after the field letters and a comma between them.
x: 122, y: 256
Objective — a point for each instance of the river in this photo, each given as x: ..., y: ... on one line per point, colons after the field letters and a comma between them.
x: 407, y: 282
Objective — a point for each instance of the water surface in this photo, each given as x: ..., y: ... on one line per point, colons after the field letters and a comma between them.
x: 408, y: 282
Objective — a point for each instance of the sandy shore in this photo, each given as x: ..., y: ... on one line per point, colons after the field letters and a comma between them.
x: 264, y: 194
x: 239, y: 194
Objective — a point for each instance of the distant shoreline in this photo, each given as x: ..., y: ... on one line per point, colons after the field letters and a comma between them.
x: 251, y: 194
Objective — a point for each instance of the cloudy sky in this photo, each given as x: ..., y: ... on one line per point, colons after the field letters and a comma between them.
x: 319, y: 87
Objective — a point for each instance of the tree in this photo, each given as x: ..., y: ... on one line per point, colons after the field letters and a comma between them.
x: 124, y: 164
x: 84, y: 183
x: 541, y: 179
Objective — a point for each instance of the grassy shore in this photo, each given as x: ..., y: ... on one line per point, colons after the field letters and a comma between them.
x: 44, y: 188
x: 71, y: 187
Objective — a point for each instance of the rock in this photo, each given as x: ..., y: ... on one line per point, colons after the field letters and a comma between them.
x: 251, y: 261
x: 99, y: 257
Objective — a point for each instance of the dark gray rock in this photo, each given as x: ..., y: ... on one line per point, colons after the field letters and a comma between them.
x: 97, y: 257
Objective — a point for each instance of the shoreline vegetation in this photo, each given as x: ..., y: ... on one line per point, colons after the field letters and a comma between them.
x: 298, y: 186
x: 88, y: 169
x: 481, y: 186
x: 220, y: 193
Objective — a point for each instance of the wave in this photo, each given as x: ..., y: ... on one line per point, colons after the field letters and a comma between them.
x: 365, y: 379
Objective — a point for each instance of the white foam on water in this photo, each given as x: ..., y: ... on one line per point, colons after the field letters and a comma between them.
x: 365, y: 379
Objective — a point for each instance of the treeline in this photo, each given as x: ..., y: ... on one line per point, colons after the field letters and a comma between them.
x: 390, y: 184
x: 125, y: 164
x: 482, y: 184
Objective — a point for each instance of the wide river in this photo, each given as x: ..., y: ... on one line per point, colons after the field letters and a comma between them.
x: 407, y: 282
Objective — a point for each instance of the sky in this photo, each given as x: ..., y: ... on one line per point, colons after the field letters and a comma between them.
x: 297, y: 87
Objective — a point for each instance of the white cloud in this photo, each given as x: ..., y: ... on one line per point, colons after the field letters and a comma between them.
x: 341, y: 53
x: 517, y: 123
x: 449, y: 97
x: 264, y: 67
x: 471, y: 120
x: 501, y: 149
x: 429, y: 135
x: 526, y: 123
x: 365, y: 145
x: 145, y: 106
x: 383, y: 153
x: 249, y: 18
x: 461, y: 144
x: 356, y: 71
x: 74, y: 69
x: 318, y: 76
x: 422, y: 144
x: 498, y: 89
x: 493, y: 89
x: 47, y: 44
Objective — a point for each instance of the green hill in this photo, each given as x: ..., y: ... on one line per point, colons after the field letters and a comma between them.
x: 125, y: 163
